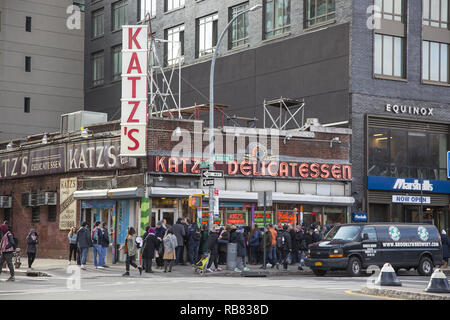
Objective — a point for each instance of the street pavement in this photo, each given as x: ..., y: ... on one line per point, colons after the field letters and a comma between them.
x: 184, y: 283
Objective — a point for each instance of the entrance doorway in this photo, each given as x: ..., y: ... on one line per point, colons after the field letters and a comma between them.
x: 160, y: 214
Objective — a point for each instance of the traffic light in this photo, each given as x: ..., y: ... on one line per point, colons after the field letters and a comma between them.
x: 195, y: 201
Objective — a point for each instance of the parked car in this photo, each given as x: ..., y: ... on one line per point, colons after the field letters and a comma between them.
x: 354, y: 247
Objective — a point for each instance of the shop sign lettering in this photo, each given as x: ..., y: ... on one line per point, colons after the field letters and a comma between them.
x: 286, y: 217
x: 401, y: 184
x: 404, y: 109
x: 246, y: 168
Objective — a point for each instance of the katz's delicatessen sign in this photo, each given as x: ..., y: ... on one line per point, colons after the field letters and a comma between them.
x: 134, y: 90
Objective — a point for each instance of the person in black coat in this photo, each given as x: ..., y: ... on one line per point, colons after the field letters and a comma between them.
x: 213, y: 248
x: 286, y: 246
x: 295, y: 246
x: 224, y: 238
x: 148, y: 249
x: 160, y: 231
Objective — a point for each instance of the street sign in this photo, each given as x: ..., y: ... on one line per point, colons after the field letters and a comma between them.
x: 261, y: 198
x: 212, y: 174
x: 208, y: 182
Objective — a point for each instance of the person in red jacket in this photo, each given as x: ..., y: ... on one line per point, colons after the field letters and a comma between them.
x: 7, y: 247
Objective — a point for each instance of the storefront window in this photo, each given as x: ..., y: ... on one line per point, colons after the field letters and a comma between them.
x: 334, y: 215
x: 407, y: 154
x: 379, y: 212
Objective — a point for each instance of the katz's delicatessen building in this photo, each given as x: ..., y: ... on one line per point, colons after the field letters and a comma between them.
x: 310, y: 180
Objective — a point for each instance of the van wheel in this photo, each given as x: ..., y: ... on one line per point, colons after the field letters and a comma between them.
x: 354, y: 267
x: 425, y: 267
x: 319, y: 273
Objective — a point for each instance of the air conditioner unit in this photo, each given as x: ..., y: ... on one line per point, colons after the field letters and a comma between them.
x: 5, y: 202
x: 29, y: 199
x: 71, y: 122
x: 46, y: 198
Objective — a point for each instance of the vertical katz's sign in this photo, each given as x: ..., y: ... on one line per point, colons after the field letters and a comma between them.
x: 134, y: 91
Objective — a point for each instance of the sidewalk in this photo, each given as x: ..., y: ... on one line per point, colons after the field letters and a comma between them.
x: 46, y: 267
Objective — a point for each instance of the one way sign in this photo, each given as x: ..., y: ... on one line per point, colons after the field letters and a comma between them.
x: 212, y: 174
x: 208, y: 182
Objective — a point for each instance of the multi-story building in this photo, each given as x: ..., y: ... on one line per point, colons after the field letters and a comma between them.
x: 387, y: 79
x: 41, y: 65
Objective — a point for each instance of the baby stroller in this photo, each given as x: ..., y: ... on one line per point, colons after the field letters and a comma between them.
x: 202, y: 264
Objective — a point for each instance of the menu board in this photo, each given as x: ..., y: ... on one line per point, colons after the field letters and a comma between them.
x: 286, y: 217
x: 236, y: 217
x: 259, y: 218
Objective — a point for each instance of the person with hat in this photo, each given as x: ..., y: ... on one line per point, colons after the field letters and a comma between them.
x: 148, y: 249
x: 7, y: 247
x: 239, y: 239
x: 160, y: 231
x: 445, y: 248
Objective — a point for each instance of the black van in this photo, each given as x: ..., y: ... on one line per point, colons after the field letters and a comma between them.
x: 354, y: 247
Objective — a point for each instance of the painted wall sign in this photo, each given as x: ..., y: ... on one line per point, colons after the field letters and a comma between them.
x: 97, y: 155
x: 404, y: 109
x: 408, y: 185
x: 67, y: 203
x: 248, y: 168
x: 410, y: 199
x: 134, y: 90
x: 40, y: 161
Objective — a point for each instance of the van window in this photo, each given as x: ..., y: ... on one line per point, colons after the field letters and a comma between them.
x: 371, y: 232
x: 343, y: 233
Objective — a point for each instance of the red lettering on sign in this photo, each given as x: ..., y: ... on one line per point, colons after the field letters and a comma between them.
x: 293, y: 165
x: 303, y: 170
x: 336, y: 171
x: 133, y: 85
x: 194, y: 168
x: 232, y: 167
x: 132, y: 38
x: 133, y: 111
x: 284, y: 169
x: 136, y: 142
x: 255, y: 169
x: 173, y: 164
x: 347, y: 172
x: 183, y: 161
x: 160, y: 163
x: 271, y: 164
x: 325, y: 168
x: 134, y: 64
x: 315, y: 170
x: 245, y: 168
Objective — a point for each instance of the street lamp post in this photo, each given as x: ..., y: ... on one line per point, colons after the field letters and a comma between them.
x: 211, y: 112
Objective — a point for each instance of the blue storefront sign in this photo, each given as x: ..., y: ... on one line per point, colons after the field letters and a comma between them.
x: 408, y: 185
x: 359, y: 217
x: 448, y: 164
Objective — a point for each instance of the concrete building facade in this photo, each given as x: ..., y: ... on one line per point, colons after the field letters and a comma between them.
x: 41, y: 65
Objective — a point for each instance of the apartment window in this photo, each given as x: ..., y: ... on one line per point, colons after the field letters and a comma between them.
x: 51, y: 214
x: 173, y: 4
x: 27, y: 64
x: 119, y: 14
x: 391, y: 9
x: 35, y: 214
x: 174, y: 49
x: 389, y: 56
x: 277, y: 17
x: 435, y: 64
x: 146, y: 7
x: 207, y: 34
x: 319, y: 11
x: 97, y: 23
x: 97, y: 68
x: 116, y: 58
x: 238, y: 34
x: 28, y: 24
x: 435, y: 13
x: 26, y: 105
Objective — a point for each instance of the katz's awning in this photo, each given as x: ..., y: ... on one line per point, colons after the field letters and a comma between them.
x: 122, y: 193
x: 253, y: 196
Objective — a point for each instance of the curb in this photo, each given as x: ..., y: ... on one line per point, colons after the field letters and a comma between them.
x: 31, y: 273
x: 400, y: 294
x: 252, y: 273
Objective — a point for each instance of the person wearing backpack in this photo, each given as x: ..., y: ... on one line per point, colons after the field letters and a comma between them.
x: 97, y: 236
x: 193, y: 242
x: 131, y: 248
x: 7, y: 248
x: 32, y: 241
